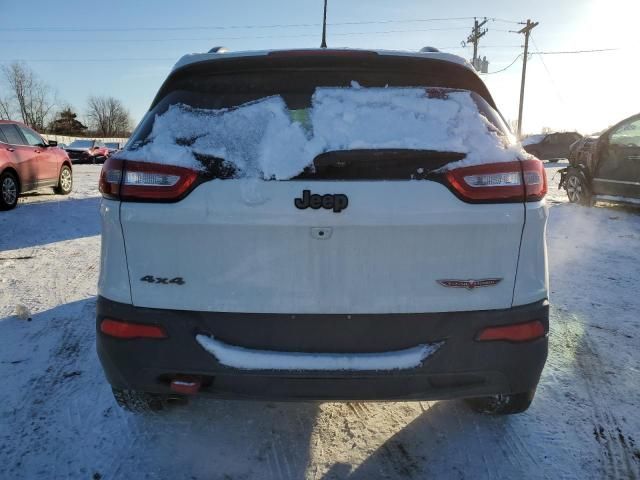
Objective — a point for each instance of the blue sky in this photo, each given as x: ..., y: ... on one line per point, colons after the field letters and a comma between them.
x: 125, y: 48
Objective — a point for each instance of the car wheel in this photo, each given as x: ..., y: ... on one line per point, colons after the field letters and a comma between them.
x: 65, y: 181
x: 577, y: 189
x: 137, y: 402
x: 502, y: 404
x: 8, y: 191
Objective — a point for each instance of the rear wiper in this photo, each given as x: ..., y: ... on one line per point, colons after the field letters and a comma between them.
x: 378, y: 164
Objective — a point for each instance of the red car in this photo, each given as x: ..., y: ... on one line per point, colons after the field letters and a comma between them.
x: 28, y: 162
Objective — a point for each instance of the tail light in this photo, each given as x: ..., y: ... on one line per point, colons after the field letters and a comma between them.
x: 535, y: 180
x: 500, y: 182
x: 522, y: 332
x: 120, y: 329
x: 144, y: 181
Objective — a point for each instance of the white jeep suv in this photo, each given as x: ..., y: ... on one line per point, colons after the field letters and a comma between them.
x: 326, y: 225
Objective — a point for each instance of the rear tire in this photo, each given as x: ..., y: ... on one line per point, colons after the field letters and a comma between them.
x: 65, y: 181
x: 9, y: 191
x: 502, y: 404
x: 577, y: 189
x: 138, y: 402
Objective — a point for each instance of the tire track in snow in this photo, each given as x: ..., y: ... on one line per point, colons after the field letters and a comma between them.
x: 39, y: 399
x: 620, y: 458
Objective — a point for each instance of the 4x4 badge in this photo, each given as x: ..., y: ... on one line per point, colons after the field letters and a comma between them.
x: 470, y: 284
x: 337, y: 201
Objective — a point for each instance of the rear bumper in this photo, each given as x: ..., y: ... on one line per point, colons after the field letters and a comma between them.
x: 462, y: 367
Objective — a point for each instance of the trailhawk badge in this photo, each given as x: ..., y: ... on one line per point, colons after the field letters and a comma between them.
x: 337, y: 202
x: 470, y: 284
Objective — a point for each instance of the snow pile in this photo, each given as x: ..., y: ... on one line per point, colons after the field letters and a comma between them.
x: 264, y: 139
x: 247, y: 359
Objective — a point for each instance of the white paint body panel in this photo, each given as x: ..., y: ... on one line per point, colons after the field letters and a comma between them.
x: 242, y: 246
x: 113, y: 282
x: 532, y: 283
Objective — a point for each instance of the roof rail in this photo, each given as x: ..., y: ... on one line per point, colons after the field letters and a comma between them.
x: 218, y: 50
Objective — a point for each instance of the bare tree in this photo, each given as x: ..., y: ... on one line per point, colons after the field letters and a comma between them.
x: 5, y: 108
x: 109, y: 117
x: 28, y: 95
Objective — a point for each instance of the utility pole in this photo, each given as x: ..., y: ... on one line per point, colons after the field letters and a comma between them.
x: 526, y: 30
x: 476, y: 34
x: 324, y: 27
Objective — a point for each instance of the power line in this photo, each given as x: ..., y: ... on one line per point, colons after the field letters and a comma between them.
x: 219, y: 27
x: 89, y: 60
x: 505, y: 68
x: 544, y: 64
x: 242, y: 27
x: 254, y: 37
x: 257, y: 37
x: 595, y: 50
x: 144, y: 59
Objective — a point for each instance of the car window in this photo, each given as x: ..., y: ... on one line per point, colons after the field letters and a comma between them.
x: 627, y: 134
x: 12, y: 134
x: 3, y: 138
x: 32, y: 137
x: 81, y: 144
x: 554, y: 139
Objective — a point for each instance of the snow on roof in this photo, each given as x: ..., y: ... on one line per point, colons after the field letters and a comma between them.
x: 204, y: 57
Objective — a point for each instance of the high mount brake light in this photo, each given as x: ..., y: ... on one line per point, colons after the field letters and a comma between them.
x: 500, y: 182
x: 144, y: 181
x: 324, y: 52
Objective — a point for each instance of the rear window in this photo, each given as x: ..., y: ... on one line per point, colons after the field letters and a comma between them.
x: 276, y: 124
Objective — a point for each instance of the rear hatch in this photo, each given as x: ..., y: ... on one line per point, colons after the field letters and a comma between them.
x: 372, y: 225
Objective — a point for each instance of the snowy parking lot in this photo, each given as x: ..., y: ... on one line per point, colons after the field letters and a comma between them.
x: 58, y: 418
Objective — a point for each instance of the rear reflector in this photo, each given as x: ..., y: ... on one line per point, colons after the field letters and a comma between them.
x: 145, y: 181
x: 119, y: 329
x: 500, y: 182
x: 522, y: 332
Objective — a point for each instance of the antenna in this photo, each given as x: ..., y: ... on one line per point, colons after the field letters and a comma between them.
x: 324, y: 27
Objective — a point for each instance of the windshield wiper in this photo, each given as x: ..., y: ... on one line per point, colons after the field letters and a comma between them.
x: 378, y: 164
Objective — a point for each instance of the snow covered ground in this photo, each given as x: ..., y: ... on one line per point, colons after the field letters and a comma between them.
x: 58, y: 419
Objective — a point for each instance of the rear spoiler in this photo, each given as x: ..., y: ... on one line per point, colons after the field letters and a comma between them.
x: 434, y: 69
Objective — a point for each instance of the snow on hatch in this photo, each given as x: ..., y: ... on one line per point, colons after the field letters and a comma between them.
x: 249, y: 359
x: 265, y: 139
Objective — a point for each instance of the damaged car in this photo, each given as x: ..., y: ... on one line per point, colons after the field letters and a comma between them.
x: 605, y: 167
